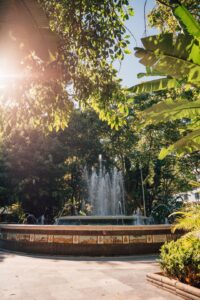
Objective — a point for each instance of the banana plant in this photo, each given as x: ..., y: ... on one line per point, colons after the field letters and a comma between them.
x: 176, y: 59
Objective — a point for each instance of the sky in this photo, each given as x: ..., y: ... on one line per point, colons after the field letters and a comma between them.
x: 130, y: 66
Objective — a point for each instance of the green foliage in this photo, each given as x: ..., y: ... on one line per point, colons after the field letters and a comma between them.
x: 91, y: 35
x: 162, y: 210
x: 17, y: 211
x: 45, y: 171
x: 162, y: 16
x: 172, y: 110
x: 137, y: 150
x: 4, y: 178
x: 187, y: 144
x: 178, y: 58
x: 178, y: 109
x: 181, y: 260
x: 187, y: 20
x: 155, y: 85
x: 188, y: 220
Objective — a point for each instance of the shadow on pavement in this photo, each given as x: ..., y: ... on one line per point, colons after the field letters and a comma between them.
x: 3, y: 255
x: 147, y: 259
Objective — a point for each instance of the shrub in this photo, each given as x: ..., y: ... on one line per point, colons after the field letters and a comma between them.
x: 181, y: 260
x: 188, y: 219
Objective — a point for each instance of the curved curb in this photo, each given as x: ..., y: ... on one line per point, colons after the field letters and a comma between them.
x: 174, y: 286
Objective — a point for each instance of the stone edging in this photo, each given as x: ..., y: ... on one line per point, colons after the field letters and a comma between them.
x: 174, y: 286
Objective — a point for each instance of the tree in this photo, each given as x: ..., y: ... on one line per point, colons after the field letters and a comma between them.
x: 162, y: 16
x: 91, y: 35
x: 43, y: 172
x: 4, y: 179
x: 136, y: 150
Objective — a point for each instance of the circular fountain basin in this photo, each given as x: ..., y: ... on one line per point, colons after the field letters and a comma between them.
x: 103, y: 220
x: 89, y: 240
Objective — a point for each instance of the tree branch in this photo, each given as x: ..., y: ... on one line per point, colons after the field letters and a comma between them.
x: 163, y: 3
x: 145, y: 23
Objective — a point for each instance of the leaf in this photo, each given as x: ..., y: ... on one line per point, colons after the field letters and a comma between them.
x: 179, y: 47
x: 155, y: 85
x: 127, y: 51
x: 187, y: 144
x: 187, y: 21
x: 170, y: 65
x: 195, y: 184
x: 131, y: 11
x: 178, y: 58
x: 149, y: 72
x: 172, y: 110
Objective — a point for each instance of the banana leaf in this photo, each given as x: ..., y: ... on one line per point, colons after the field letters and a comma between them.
x: 187, y: 144
x: 155, y: 85
x: 187, y: 21
x: 172, y: 110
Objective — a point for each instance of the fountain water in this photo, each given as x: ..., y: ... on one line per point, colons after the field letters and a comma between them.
x: 105, y: 194
x: 105, y: 191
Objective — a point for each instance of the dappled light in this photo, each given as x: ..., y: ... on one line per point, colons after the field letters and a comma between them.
x: 99, y: 149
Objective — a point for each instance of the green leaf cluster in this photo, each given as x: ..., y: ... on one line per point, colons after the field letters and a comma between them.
x: 181, y: 261
x: 178, y: 59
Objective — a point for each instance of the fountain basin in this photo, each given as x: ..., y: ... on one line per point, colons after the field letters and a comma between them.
x: 103, y: 220
x: 86, y: 240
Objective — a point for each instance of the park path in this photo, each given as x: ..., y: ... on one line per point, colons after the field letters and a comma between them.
x: 28, y: 277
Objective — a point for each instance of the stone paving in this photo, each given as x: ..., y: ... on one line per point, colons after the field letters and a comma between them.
x: 31, y: 277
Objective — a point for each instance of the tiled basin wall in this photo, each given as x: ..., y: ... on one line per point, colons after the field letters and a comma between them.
x: 85, y: 240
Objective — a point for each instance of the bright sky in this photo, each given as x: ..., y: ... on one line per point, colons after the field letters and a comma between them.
x: 130, y: 66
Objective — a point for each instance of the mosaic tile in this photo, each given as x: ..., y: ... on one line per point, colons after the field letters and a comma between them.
x: 125, y: 239
x: 23, y: 237
x: 169, y: 237
x: 32, y: 237
x: 107, y: 239
x: 4, y: 236
x: 118, y: 239
x: 50, y: 238
x: 41, y: 238
x: 159, y: 238
x: 100, y: 239
x: 138, y: 239
x: 66, y: 239
x: 88, y: 239
x: 75, y: 239
x: 149, y: 239
x: 12, y: 236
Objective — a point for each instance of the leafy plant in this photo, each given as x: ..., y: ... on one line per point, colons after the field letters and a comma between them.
x: 181, y: 261
x: 162, y: 16
x: 173, y: 110
x: 188, y: 220
x: 178, y: 59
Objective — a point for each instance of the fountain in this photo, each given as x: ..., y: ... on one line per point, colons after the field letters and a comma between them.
x: 105, y: 191
x: 106, y: 232
x: 105, y: 194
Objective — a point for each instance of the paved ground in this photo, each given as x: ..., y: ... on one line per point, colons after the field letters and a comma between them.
x: 24, y: 277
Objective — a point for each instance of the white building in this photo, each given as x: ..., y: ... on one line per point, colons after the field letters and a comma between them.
x: 191, y: 196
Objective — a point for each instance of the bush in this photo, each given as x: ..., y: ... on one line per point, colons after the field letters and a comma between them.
x: 181, y: 260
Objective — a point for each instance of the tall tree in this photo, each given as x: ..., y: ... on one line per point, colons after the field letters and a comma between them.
x: 91, y: 35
